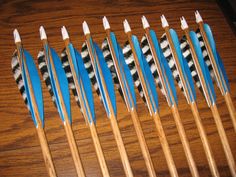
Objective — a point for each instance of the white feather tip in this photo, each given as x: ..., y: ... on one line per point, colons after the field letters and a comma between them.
x: 164, y: 21
x: 198, y: 17
x: 42, y: 33
x: 85, y: 28
x: 145, y: 22
x: 106, y: 24
x: 126, y: 26
x: 16, y: 36
x: 64, y: 33
x: 184, y: 24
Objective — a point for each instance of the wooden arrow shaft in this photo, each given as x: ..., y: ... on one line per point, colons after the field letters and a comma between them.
x: 231, y: 109
x: 121, y: 147
x: 112, y: 117
x: 184, y: 140
x: 224, y: 140
x: 203, y: 136
x: 74, y: 150
x: 134, y: 116
x: 98, y: 149
x: 42, y: 138
x: 46, y: 152
x: 143, y: 144
x: 165, y: 146
x: 67, y: 125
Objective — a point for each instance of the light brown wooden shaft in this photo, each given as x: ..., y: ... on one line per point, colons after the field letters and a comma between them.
x: 98, y: 149
x: 42, y: 138
x: 185, y: 143
x: 143, y: 144
x: 121, y: 147
x: 231, y: 109
x: 206, y: 145
x: 224, y: 140
x: 165, y: 146
x: 69, y: 133
x: 74, y: 150
x: 46, y: 152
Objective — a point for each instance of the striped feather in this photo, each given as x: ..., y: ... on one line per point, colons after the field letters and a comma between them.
x: 129, y: 59
x: 88, y: 66
x: 66, y: 67
x: 148, y: 55
x: 110, y: 64
x: 18, y: 77
x: 44, y: 71
x: 188, y: 56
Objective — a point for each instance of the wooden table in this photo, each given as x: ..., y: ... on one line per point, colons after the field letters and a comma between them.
x: 20, y: 153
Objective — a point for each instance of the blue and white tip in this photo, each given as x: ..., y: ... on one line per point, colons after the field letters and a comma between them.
x: 164, y: 21
x: 184, y: 24
x: 42, y: 33
x: 16, y: 36
x: 106, y: 24
x: 85, y: 28
x: 64, y: 33
x: 126, y: 26
x: 198, y: 17
x: 145, y: 22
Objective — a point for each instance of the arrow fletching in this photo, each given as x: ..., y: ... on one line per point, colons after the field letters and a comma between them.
x: 23, y: 82
x: 126, y: 77
x: 184, y: 67
x: 204, y: 69
x: 98, y: 71
x: 147, y: 74
x: 188, y: 56
x: 165, y: 70
x: 219, y: 64
x: 50, y: 78
x: 85, y: 89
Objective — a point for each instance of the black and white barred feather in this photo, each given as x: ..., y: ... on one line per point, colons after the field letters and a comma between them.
x: 69, y: 76
x: 44, y: 71
x: 148, y: 55
x: 188, y: 56
x: 89, y: 67
x: 108, y: 58
x: 129, y: 59
x: 18, y: 77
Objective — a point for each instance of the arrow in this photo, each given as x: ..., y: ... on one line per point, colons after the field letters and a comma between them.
x: 135, y: 57
x: 28, y: 81
x: 187, y: 86
x: 106, y: 90
x: 78, y: 80
x: 113, y: 53
x: 208, y: 90
x: 151, y: 49
x: 54, y: 75
x: 217, y: 64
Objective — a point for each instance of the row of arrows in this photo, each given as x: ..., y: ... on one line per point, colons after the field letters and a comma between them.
x: 134, y: 65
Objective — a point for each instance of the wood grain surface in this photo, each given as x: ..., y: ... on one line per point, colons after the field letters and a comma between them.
x: 20, y: 153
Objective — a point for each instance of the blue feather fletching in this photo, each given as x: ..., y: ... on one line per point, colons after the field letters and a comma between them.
x: 106, y: 75
x: 63, y: 84
x: 85, y: 86
x: 220, y: 67
x: 148, y: 77
x: 184, y: 66
x: 204, y: 68
x: 126, y: 76
x: 165, y: 70
x: 36, y: 86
